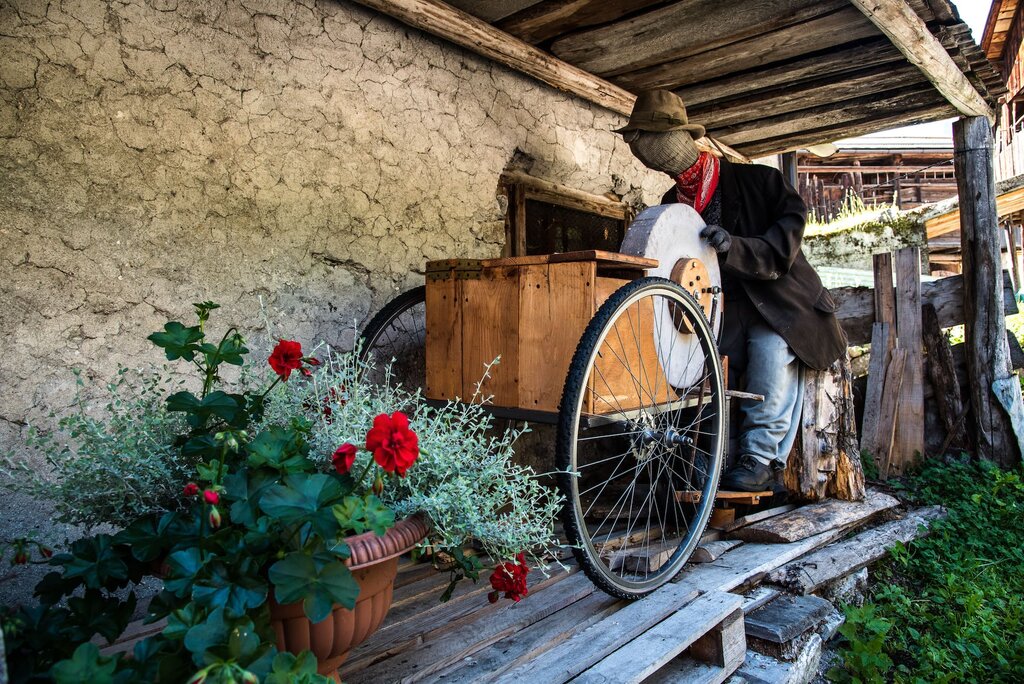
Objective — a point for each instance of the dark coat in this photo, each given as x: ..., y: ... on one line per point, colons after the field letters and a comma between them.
x: 765, y: 217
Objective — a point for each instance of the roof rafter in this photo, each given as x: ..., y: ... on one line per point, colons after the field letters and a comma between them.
x: 911, y: 36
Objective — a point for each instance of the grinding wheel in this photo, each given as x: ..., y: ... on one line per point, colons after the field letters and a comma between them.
x: 670, y: 233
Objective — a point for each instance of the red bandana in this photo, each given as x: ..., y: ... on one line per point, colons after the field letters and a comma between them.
x: 696, y: 185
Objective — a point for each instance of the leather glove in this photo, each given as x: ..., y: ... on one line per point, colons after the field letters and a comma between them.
x: 717, y: 237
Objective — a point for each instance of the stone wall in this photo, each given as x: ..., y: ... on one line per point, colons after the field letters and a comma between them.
x: 155, y: 153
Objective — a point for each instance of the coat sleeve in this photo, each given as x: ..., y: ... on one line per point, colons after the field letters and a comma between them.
x: 769, y: 255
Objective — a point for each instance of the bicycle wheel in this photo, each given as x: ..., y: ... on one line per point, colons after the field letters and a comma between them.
x: 396, y: 338
x: 641, y: 435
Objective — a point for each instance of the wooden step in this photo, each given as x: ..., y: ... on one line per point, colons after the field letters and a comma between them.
x: 711, y: 627
x: 742, y: 498
x: 817, y: 518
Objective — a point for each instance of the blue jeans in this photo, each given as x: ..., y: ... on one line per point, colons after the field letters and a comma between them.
x: 761, y: 362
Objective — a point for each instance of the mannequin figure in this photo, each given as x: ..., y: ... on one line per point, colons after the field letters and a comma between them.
x: 777, y: 316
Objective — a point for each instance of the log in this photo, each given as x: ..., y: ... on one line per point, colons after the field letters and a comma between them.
x: 712, y: 551
x: 826, y: 456
x: 810, y: 573
x: 909, y: 33
x: 856, y: 305
x: 847, y: 482
x: 909, y: 444
x: 816, y: 518
x: 942, y: 374
x: 988, y: 355
x: 757, y: 517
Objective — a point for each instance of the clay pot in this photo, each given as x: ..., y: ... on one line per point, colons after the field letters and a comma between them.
x: 374, y: 564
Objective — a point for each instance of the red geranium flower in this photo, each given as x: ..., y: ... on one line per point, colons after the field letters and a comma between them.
x: 510, y: 578
x: 395, y: 447
x: 211, y: 497
x: 191, y: 489
x: 343, y: 458
x: 286, y: 357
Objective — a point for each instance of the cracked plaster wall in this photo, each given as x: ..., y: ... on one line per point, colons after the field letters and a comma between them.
x: 155, y: 153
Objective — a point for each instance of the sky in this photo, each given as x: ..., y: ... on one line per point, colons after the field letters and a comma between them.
x: 974, y: 13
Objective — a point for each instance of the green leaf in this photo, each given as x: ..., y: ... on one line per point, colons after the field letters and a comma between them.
x: 360, y: 515
x: 279, y: 448
x: 211, y: 632
x: 297, y: 577
x: 236, y: 593
x: 378, y: 517
x: 184, y: 566
x: 97, y: 562
x: 220, y: 404
x: 243, y: 641
x: 181, y: 620
x: 177, y: 341
x: 304, y: 499
x: 289, y: 669
x: 246, y: 488
x: 145, y: 541
x: 86, y: 665
x: 99, y: 614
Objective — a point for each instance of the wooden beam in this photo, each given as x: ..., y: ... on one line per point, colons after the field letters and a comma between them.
x: 788, y: 41
x: 988, y: 355
x: 910, y: 417
x: 868, y: 108
x: 832, y: 65
x: 681, y: 30
x: 860, y: 126
x: 911, y: 35
x: 857, y: 309
x: 564, y: 196
x: 552, y: 18
x: 1006, y: 204
x: 463, y: 29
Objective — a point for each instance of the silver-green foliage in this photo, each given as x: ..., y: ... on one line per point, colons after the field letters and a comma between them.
x: 465, y: 480
x: 110, y: 467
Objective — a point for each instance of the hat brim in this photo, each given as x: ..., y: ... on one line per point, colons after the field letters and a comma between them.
x: 695, y: 130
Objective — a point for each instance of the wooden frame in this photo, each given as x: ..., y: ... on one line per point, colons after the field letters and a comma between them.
x: 520, y: 187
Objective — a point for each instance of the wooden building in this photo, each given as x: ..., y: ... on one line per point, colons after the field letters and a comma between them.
x: 901, y: 171
x: 1003, y: 42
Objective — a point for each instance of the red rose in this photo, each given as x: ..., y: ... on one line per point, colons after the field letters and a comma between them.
x: 211, y: 497
x: 395, y: 447
x: 191, y: 489
x: 510, y: 578
x: 286, y: 357
x: 343, y: 458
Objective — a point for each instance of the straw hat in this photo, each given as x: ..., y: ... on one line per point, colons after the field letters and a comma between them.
x: 660, y: 110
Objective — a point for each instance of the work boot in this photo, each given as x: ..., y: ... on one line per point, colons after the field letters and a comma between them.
x: 748, y: 475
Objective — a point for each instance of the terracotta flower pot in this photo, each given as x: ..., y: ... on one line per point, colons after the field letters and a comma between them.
x: 374, y: 564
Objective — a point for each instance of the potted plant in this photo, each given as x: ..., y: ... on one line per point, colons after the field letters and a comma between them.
x: 283, y: 517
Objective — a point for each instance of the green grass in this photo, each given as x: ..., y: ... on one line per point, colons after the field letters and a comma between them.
x: 948, y: 607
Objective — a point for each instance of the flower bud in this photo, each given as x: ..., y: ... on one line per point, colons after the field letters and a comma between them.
x: 214, y: 517
x: 378, y: 485
x: 46, y: 551
x: 20, y: 558
x: 250, y: 678
x: 191, y: 489
x: 211, y: 497
x: 199, y: 677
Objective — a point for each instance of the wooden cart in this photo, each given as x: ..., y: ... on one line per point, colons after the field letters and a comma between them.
x: 625, y: 366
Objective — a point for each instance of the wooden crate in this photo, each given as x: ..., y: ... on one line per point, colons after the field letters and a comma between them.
x: 529, y: 311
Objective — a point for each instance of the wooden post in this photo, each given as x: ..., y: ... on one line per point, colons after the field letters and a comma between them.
x: 910, y: 418
x: 988, y: 354
x: 942, y: 373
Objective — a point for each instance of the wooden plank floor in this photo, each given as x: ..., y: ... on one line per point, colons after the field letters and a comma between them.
x: 565, y: 629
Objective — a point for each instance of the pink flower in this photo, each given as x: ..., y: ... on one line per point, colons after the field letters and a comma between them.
x: 395, y: 447
x: 211, y: 497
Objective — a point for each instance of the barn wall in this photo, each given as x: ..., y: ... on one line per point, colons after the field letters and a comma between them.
x: 160, y: 152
